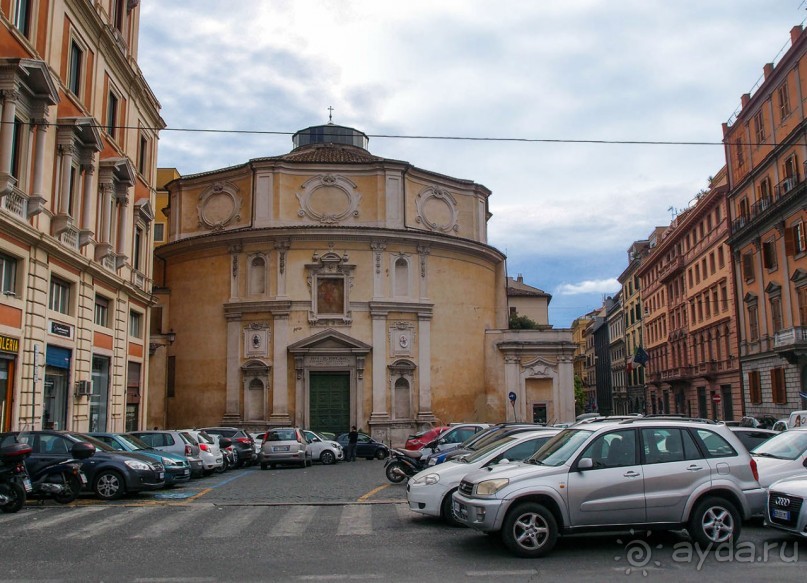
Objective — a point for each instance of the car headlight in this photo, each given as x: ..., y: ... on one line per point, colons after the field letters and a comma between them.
x: 170, y: 462
x: 427, y: 480
x: 432, y: 461
x: 490, y: 487
x: 137, y: 465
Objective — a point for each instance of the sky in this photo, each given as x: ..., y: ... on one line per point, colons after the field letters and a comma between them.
x: 523, y: 97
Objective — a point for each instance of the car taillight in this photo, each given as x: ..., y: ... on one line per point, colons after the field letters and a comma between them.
x: 242, y: 439
x: 203, y: 447
x: 188, y: 451
x: 754, y: 469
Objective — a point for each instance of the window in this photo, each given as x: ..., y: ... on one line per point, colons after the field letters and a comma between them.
x: 22, y: 16
x: 76, y: 66
x: 714, y: 444
x: 769, y: 254
x: 778, y: 393
x: 59, y: 295
x: 764, y: 192
x: 802, y: 291
x: 159, y: 232
x: 740, y: 154
x: 776, y: 314
x: 743, y: 209
x: 664, y: 445
x: 138, y: 245
x: 135, y: 324
x: 17, y: 138
x: 111, y: 114
x: 101, y: 311
x: 748, y: 267
x: 8, y: 275
x: 613, y: 450
x: 118, y: 13
x: 142, y: 155
x: 784, y: 101
x: 753, y: 323
x: 759, y: 128
x: 721, y: 262
x: 795, y: 240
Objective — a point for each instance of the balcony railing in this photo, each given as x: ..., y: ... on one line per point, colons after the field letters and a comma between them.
x: 790, y: 338
x: 16, y: 203
x: 785, y: 189
x: 671, y: 268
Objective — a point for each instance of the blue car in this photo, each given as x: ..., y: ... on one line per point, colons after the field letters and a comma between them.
x: 177, y: 467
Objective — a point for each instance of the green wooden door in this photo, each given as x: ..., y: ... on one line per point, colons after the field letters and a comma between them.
x: 329, y: 403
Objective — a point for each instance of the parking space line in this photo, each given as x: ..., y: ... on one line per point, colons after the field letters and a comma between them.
x: 514, y: 573
x: 355, y: 519
x: 372, y: 493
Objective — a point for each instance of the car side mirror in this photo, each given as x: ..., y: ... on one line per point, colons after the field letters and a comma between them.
x: 585, y: 464
x: 805, y: 463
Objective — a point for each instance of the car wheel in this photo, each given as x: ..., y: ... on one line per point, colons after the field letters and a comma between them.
x: 207, y: 472
x: 264, y: 466
x: 714, y: 521
x: 380, y: 454
x: 109, y: 485
x: 530, y: 530
x: 327, y: 457
x: 17, y: 495
x: 447, y: 511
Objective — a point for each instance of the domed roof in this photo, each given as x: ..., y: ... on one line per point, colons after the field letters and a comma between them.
x: 330, y: 143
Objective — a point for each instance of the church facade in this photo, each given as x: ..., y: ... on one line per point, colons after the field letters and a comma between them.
x: 329, y: 287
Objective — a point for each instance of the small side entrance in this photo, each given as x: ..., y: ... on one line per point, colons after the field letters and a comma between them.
x: 329, y: 401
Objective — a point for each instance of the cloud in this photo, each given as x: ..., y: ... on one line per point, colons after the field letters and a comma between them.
x: 605, y: 286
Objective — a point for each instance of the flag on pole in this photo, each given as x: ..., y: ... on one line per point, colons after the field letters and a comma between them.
x: 629, y: 366
x: 641, y: 357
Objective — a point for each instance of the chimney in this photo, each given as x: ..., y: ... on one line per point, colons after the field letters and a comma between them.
x: 795, y: 33
x: 520, y: 278
x: 767, y: 69
x: 744, y: 99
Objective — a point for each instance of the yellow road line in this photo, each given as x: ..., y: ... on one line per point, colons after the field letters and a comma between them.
x: 372, y: 493
x: 199, y: 495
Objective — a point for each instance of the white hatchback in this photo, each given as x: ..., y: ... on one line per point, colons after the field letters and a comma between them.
x: 782, y: 456
x: 429, y: 491
x: 209, y: 451
x: 323, y: 450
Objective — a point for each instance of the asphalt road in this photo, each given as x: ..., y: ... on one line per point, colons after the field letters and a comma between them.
x: 336, y: 523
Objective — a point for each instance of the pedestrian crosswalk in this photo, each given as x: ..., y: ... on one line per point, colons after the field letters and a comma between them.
x: 210, y: 521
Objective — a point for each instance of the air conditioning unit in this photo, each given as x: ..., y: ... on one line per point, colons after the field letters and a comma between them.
x: 83, y: 388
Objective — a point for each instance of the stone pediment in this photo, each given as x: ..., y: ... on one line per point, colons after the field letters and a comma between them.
x: 330, y: 340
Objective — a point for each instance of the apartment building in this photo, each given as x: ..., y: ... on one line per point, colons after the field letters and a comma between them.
x: 617, y: 356
x: 766, y: 150
x: 690, y: 325
x: 78, y: 150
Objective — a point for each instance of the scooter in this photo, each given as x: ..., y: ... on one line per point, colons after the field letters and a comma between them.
x: 14, y: 481
x: 404, y: 463
x: 62, y: 480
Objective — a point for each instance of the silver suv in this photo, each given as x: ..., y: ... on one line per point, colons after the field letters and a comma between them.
x: 649, y: 473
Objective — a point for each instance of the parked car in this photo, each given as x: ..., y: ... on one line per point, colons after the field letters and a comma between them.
x: 326, y: 451
x: 209, y: 451
x: 243, y: 444
x: 257, y: 440
x: 429, y: 491
x: 781, y: 425
x: 177, y: 467
x: 227, y: 450
x: 782, y: 456
x: 421, y: 438
x: 752, y: 437
x: 455, y: 435
x: 110, y: 473
x: 366, y: 446
x: 786, y: 509
x: 480, y: 440
x: 640, y: 473
x: 284, y: 445
x: 177, y: 442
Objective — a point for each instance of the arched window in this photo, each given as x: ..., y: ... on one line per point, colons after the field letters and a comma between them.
x: 401, y: 277
x: 402, y: 409
x: 257, y: 276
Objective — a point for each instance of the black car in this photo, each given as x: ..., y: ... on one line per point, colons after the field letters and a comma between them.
x: 366, y: 446
x: 242, y: 442
x: 110, y: 474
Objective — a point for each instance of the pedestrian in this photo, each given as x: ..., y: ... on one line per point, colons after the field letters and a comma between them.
x: 352, y: 440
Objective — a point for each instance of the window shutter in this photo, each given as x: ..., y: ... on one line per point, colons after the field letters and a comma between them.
x: 790, y: 241
x: 748, y: 266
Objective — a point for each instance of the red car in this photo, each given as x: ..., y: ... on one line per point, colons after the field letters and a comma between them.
x: 418, y: 440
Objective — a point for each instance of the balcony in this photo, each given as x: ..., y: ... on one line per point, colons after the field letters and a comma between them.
x: 671, y: 268
x: 15, y: 203
x: 676, y: 374
x: 791, y: 343
x: 786, y: 189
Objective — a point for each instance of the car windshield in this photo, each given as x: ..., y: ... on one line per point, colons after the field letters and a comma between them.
x: 560, y: 448
x: 788, y: 445
x: 481, y: 453
x: 135, y: 442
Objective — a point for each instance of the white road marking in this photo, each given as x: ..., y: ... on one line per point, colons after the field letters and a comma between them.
x: 355, y: 519
x: 294, y: 522
x: 233, y: 521
x: 64, y: 516
x: 522, y: 573
x: 172, y: 522
x: 111, y: 522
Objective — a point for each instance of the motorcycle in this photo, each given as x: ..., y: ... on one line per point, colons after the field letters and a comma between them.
x: 62, y: 480
x: 14, y: 481
x: 403, y: 463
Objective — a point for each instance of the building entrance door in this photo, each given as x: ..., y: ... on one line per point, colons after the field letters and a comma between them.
x: 329, y: 408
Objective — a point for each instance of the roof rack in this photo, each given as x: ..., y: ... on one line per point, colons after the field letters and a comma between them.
x: 671, y: 418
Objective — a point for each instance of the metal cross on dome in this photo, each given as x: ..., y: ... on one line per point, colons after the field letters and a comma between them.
x: 330, y: 114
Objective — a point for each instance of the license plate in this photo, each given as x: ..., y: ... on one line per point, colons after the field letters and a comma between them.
x: 83, y: 478
x: 162, y: 475
x: 780, y: 514
x: 27, y: 484
x: 185, y: 472
x: 280, y: 448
